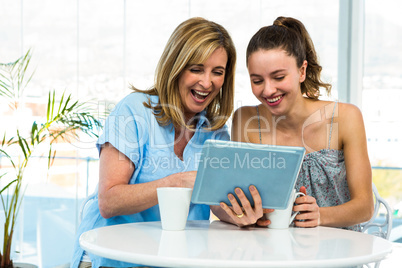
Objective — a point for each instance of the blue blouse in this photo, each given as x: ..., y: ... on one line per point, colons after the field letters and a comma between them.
x: 133, y: 130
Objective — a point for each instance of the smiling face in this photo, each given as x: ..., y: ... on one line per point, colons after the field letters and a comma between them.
x: 200, y: 83
x: 275, y: 79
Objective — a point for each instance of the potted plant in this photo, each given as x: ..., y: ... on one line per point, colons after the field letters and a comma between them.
x: 64, y: 119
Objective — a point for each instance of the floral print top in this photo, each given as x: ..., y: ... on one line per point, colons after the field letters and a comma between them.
x: 323, y: 173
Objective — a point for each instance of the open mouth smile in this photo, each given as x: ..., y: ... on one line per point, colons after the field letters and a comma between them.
x: 274, y: 101
x: 199, y: 95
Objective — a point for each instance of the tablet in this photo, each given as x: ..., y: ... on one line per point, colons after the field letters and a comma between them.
x: 225, y: 165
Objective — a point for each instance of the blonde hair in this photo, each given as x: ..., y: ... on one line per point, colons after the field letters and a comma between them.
x: 192, y: 42
x: 291, y: 35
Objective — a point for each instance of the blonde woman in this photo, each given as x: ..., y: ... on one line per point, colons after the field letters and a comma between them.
x: 152, y: 137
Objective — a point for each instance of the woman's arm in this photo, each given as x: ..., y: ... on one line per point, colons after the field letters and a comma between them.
x: 118, y: 197
x: 358, y: 174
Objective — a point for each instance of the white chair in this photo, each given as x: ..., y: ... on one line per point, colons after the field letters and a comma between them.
x: 396, y: 234
x: 85, y: 204
x: 379, y: 229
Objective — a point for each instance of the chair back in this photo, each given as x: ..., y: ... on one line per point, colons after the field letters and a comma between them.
x: 381, y: 229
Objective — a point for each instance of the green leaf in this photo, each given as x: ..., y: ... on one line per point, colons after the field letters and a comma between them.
x: 8, y: 185
x: 48, y: 108
x: 61, y: 103
x: 52, y: 106
x: 23, y: 145
x: 8, y: 156
x: 3, y: 141
x: 34, y: 136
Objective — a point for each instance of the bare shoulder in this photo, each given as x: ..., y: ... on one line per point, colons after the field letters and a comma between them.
x: 349, y: 113
x: 351, y: 125
x: 245, y: 112
x: 348, y: 107
x: 243, y: 119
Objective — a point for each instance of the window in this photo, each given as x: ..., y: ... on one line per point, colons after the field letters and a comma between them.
x: 382, y: 95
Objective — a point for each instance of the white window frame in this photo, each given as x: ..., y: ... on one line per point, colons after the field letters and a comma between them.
x: 351, y: 51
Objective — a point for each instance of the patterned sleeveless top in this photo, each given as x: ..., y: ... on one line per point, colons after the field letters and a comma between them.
x: 323, y: 173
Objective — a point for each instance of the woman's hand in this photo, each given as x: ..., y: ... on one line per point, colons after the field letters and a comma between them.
x: 246, y: 215
x: 184, y: 179
x: 309, y: 215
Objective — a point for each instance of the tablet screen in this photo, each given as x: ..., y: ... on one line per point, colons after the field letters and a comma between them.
x: 225, y: 165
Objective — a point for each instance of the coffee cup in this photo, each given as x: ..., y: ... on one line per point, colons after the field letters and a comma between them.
x: 282, y: 218
x: 174, y: 203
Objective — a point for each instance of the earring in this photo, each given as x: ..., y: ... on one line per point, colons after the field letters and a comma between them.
x: 220, y: 93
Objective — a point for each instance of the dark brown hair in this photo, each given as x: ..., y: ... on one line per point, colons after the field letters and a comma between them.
x: 290, y: 35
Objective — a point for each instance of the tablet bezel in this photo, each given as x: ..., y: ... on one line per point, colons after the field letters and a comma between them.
x: 212, y: 183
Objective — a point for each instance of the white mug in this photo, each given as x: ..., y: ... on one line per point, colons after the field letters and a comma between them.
x: 282, y: 218
x: 174, y: 203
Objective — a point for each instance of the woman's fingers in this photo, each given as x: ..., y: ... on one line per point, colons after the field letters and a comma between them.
x: 235, y: 205
x: 253, y: 213
x: 308, y: 219
x: 307, y: 216
x: 303, y: 190
x: 306, y: 224
x: 258, y: 210
x: 309, y: 212
x: 263, y: 222
x: 243, y: 214
x: 303, y: 203
x: 248, y: 216
x: 240, y: 219
x: 244, y: 201
x: 229, y: 210
x: 267, y: 210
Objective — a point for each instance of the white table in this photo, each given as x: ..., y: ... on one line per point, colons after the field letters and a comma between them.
x: 217, y: 244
